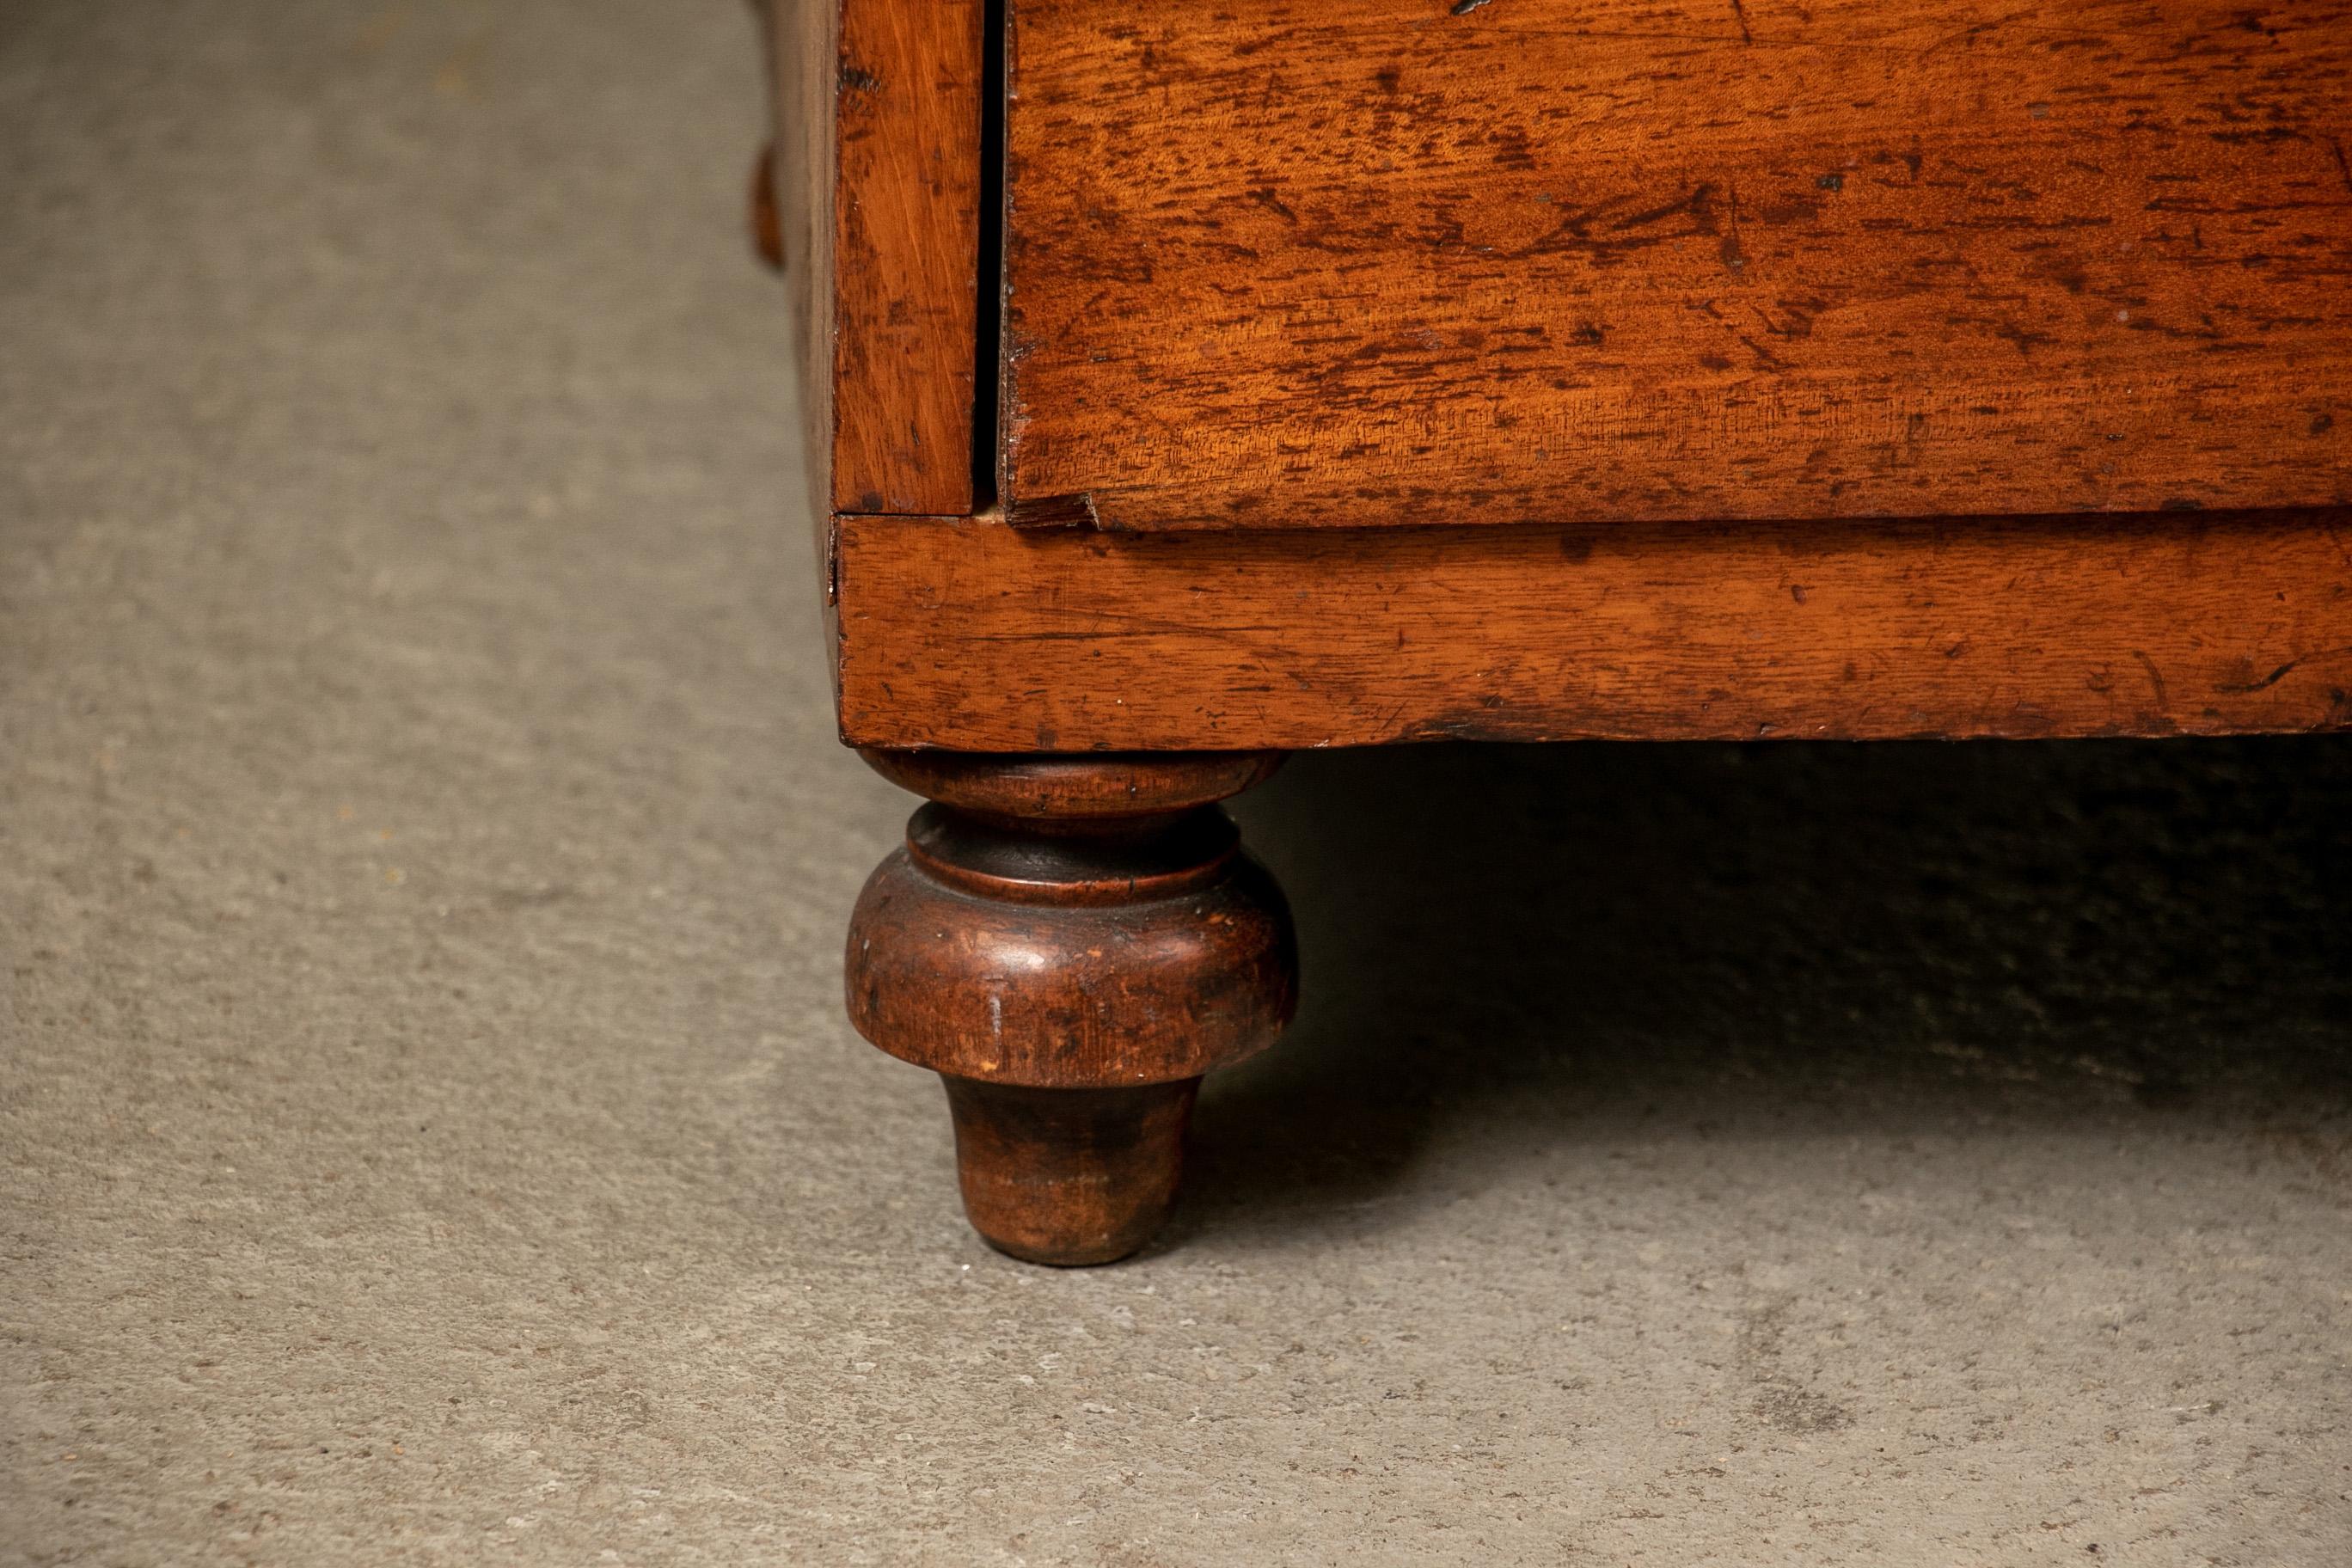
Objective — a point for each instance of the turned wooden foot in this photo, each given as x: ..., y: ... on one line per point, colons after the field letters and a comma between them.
x: 1070, y: 943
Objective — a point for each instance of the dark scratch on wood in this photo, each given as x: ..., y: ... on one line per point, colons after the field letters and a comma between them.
x: 2342, y: 167
x: 2266, y: 682
x: 1055, y: 511
x: 2275, y: 676
x: 1272, y: 202
x: 1739, y: 9
x: 1464, y: 7
x: 1735, y: 256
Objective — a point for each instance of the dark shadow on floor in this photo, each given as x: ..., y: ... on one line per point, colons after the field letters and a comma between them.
x: 1594, y: 934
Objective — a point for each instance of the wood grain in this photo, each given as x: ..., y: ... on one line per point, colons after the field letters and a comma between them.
x: 1397, y: 262
x: 879, y: 130
x: 975, y: 636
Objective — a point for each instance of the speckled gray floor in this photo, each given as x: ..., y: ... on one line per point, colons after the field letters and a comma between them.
x: 429, y: 1133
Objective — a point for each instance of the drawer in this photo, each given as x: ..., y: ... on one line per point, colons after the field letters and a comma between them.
x: 1377, y: 262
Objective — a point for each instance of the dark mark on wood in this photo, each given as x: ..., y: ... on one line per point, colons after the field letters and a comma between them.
x: 1055, y: 511
x: 1272, y: 202
x: 2266, y: 682
x: 2281, y: 673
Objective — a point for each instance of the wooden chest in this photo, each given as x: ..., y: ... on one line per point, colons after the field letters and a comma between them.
x: 1211, y: 379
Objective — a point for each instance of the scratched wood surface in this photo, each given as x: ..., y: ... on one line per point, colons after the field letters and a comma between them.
x: 973, y: 635
x: 878, y: 161
x: 1370, y: 262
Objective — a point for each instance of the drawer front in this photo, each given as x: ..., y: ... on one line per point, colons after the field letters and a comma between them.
x: 1371, y: 262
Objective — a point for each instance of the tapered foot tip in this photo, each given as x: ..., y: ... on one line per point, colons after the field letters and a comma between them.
x: 1070, y: 1254
x: 1069, y: 1177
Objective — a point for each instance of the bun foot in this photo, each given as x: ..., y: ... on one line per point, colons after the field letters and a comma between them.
x: 1070, y: 943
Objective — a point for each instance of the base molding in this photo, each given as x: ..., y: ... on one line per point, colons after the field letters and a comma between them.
x: 968, y: 634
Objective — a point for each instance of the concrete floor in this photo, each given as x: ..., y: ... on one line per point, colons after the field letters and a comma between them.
x: 429, y: 1129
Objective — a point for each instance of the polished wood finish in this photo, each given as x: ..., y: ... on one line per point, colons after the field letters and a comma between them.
x: 1071, y: 942
x: 974, y: 635
x: 1360, y: 263
x: 1068, y: 1176
x: 1043, y: 790
x: 878, y: 115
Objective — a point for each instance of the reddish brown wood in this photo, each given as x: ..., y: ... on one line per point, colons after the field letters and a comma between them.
x: 1068, y: 1176
x: 1407, y: 262
x: 1071, y: 942
x: 1297, y: 289
x: 1044, y: 790
x: 971, y: 634
x: 879, y: 126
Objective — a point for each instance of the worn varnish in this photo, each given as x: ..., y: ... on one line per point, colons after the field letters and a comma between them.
x: 977, y: 636
x: 878, y: 110
x: 1385, y: 262
x: 1071, y: 942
